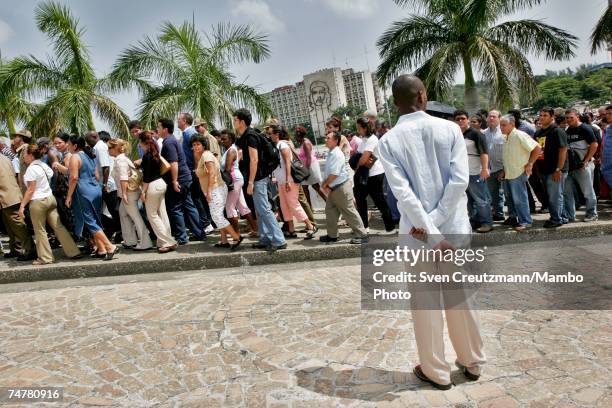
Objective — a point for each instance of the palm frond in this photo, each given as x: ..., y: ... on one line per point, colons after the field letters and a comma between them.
x: 408, y: 43
x: 147, y: 61
x: 32, y: 75
x: 185, y: 40
x: 237, y: 44
x: 602, y: 33
x: 438, y: 72
x: 62, y: 27
x: 492, y: 65
x: 535, y: 36
x: 161, y: 102
x: 110, y: 112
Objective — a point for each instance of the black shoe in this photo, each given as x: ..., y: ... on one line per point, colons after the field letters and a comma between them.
x: 550, y: 224
x: 222, y: 245
x: 543, y: 211
x: 125, y: 246
x: 259, y: 245
x: 498, y: 218
x: 27, y: 257
x: 421, y: 376
x: 290, y: 235
x: 12, y: 254
x: 274, y: 248
x: 511, y: 221
x: 466, y: 373
x: 327, y: 238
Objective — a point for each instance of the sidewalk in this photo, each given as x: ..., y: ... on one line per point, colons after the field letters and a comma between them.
x: 202, y: 255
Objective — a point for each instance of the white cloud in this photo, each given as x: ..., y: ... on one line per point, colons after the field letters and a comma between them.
x: 355, y: 9
x: 258, y: 12
x: 6, y: 31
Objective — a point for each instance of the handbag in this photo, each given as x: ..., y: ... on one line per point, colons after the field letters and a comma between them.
x: 299, y: 171
x: 227, y: 179
x: 164, y: 166
x: 134, y: 179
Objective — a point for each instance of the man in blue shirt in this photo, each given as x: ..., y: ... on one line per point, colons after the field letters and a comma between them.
x: 178, y: 195
x: 185, y: 124
x: 339, y: 194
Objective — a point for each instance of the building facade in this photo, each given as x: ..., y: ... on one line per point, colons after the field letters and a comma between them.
x: 320, y: 93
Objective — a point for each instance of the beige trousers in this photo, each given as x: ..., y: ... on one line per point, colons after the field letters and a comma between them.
x: 463, y: 326
x: 155, y: 205
x: 340, y: 201
x: 133, y: 228
x: 44, y: 212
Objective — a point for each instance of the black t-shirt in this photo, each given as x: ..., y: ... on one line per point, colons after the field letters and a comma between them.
x: 151, y: 169
x: 172, y: 152
x: 580, y: 137
x: 249, y: 138
x: 554, y: 139
x: 476, y: 144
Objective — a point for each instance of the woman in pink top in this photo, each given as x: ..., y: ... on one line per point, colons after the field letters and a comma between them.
x: 306, y: 154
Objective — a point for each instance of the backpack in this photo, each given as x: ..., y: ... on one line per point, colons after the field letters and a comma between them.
x: 269, y: 156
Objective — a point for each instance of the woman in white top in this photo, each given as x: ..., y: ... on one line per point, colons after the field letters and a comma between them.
x: 376, y: 176
x: 235, y: 203
x: 288, y: 190
x: 133, y: 229
x: 43, y: 208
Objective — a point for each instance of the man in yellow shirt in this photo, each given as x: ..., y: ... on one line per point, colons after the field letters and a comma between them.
x: 520, y: 153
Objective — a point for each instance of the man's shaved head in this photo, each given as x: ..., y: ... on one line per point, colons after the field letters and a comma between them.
x: 409, y: 93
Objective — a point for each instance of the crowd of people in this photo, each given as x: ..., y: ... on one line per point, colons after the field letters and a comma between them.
x: 165, y: 191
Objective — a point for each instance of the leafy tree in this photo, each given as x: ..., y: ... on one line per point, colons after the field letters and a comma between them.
x: 177, y: 71
x: 452, y: 34
x: 14, y: 108
x: 67, y: 82
x: 558, y: 92
x: 602, y: 33
x: 349, y: 111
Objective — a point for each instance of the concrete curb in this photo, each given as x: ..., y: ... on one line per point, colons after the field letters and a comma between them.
x: 190, y: 261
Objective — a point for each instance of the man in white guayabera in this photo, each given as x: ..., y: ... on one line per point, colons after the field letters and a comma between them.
x: 426, y: 165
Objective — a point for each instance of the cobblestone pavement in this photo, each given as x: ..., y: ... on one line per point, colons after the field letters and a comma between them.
x: 287, y: 336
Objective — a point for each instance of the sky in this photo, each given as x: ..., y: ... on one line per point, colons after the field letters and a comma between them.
x: 304, y: 35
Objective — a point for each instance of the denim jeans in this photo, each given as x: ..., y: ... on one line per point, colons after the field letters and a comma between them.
x: 518, y: 199
x: 479, y: 200
x: 269, y: 231
x: 200, y: 202
x: 555, y: 197
x: 496, y: 191
x: 391, y: 201
x: 584, y: 181
x: 181, y: 209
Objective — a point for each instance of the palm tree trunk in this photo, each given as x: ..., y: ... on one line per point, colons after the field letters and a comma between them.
x: 470, y: 91
x: 90, y: 122
x: 10, y: 124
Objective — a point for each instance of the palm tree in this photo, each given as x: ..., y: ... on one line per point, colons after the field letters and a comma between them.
x: 67, y: 83
x: 178, y: 72
x: 14, y: 108
x: 602, y: 33
x: 452, y: 34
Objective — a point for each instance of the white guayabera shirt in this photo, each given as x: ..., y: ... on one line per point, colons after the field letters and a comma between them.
x: 426, y: 165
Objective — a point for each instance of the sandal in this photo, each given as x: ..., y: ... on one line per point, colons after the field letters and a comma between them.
x: 98, y: 255
x: 310, y: 233
x: 222, y: 245
x: 236, y: 244
x: 165, y: 250
x: 38, y: 262
x: 110, y: 255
